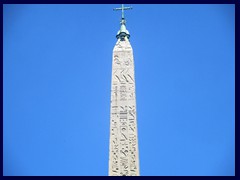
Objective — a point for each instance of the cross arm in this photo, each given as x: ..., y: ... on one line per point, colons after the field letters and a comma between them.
x: 125, y: 8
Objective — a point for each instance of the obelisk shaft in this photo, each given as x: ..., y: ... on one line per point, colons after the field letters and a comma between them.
x: 123, y: 150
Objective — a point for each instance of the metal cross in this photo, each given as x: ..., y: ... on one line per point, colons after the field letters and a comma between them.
x: 122, y: 8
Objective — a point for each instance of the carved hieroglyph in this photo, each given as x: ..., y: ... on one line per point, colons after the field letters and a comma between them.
x: 123, y: 150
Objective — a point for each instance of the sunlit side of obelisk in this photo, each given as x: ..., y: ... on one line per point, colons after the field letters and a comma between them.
x: 123, y: 149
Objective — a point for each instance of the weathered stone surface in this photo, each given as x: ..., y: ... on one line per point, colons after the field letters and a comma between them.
x: 123, y: 149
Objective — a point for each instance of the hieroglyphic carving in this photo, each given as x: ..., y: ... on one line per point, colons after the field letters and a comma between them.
x: 123, y: 157
x: 123, y: 93
x: 123, y: 76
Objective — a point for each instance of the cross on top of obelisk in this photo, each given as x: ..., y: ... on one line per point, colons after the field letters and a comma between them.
x: 122, y: 8
x: 123, y: 32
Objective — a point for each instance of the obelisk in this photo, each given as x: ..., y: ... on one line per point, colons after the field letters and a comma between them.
x: 123, y: 149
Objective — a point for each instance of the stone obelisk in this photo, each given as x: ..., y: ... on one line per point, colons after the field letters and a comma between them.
x: 123, y: 149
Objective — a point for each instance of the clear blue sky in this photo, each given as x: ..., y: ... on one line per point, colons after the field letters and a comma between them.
x: 57, y: 78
